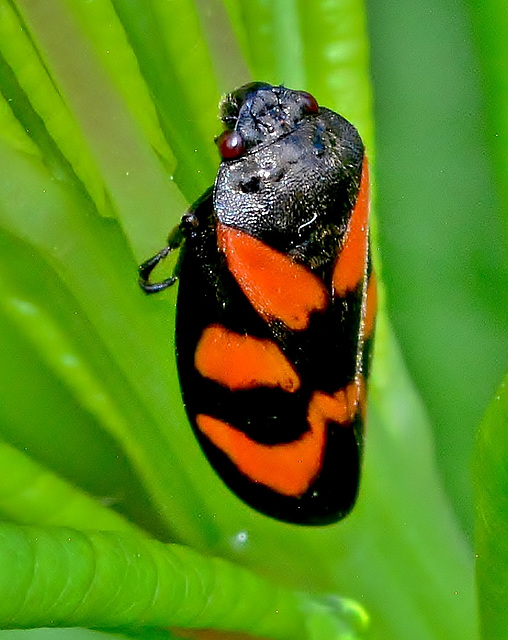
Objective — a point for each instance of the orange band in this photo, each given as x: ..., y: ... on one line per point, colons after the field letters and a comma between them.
x: 243, y: 362
x: 276, y: 285
x: 352, y: 260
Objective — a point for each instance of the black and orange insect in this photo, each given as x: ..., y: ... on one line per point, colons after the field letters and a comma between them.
x: 276, y: 306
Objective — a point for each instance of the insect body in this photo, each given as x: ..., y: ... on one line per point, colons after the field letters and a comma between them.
x: 276, y: 306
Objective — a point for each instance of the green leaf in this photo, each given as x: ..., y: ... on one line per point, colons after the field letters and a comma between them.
x: 32, y: 494
x: 491, y: 481
x: 124, y: 581
x: 26, y: 78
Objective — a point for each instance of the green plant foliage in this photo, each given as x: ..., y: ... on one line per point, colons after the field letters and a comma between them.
x: 107, y: 119
x: 441, y: 224
x: 491, y: 475
x: 121, y: 581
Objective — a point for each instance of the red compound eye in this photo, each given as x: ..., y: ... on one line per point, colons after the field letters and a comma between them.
x: 230, y: 145
x: 309, y: 102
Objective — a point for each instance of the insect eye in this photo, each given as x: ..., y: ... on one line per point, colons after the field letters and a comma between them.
x: 231, y: 145
x: 309, y: 102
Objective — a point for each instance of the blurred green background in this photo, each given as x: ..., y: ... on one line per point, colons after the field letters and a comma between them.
x: 442, y: 225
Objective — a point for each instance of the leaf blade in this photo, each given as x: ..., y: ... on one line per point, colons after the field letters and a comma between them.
x: 491, y: 490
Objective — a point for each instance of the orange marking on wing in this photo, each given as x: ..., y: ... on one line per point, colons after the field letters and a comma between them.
x: 352, y: 259
x: 371, y: 310
x: 242, y: 362
x: 340, y: 407
x: 288, y: 468
x: 277, y: 287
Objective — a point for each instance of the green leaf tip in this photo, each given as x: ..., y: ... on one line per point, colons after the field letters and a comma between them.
x: 334, y: 618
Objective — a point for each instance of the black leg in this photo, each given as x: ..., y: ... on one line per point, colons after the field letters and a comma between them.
x: 146, y: 269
